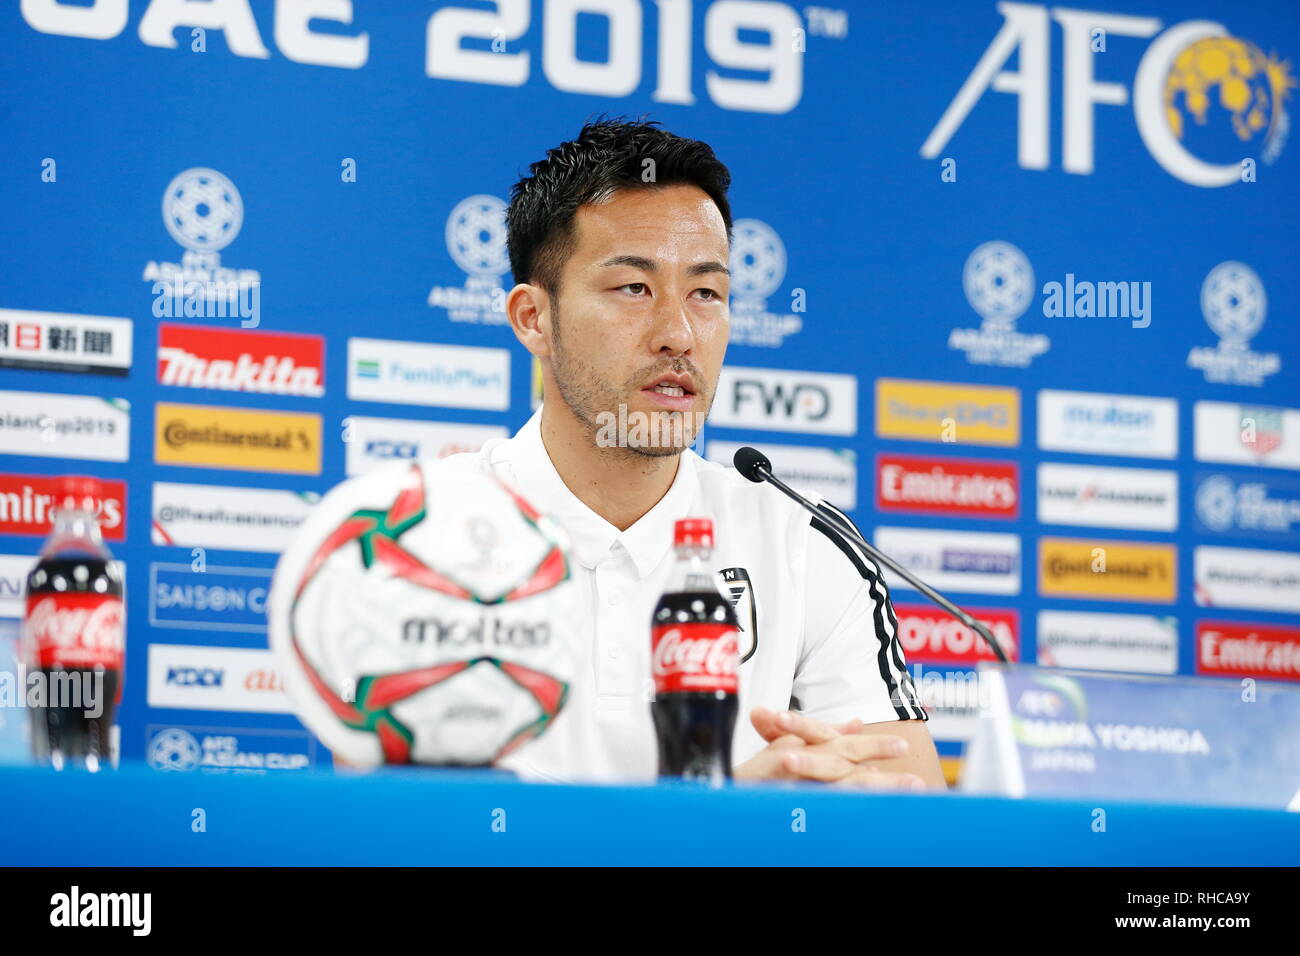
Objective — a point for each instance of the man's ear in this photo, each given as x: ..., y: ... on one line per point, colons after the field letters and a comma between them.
x: 529, y: 309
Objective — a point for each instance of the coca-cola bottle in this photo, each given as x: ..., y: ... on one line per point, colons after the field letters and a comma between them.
x: 694, y: 657
x: 73, y: 635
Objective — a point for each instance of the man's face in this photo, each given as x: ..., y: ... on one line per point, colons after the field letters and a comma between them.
x: 641, y: 320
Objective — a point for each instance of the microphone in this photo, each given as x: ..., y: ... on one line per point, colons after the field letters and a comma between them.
x: 755, y: 466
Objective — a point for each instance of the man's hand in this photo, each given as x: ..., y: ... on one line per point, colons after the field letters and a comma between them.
x: 800, y: 748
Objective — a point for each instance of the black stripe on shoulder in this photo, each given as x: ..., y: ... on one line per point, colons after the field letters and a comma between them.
x: 889, y: 652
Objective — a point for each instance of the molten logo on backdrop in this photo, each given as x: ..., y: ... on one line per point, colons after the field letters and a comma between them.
x: 1204, y: 100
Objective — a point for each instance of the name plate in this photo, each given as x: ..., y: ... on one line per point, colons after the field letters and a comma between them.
x: 1045, y: 732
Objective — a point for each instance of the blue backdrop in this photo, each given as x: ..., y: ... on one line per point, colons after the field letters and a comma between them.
x: 355, y: 172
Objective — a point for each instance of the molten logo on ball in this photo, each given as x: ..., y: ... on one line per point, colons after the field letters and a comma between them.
x: 425, y: 619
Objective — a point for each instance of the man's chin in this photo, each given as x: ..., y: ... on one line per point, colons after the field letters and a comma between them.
x: 648, y: 431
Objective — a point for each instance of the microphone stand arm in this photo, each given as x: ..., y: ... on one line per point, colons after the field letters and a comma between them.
x: 889, y: 562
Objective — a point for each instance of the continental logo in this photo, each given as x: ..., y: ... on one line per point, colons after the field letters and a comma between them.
x: 947, y: 412
x: 1119, y: 570
x: 236, y: 438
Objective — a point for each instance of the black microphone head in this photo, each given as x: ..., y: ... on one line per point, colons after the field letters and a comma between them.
x: 751, y: 463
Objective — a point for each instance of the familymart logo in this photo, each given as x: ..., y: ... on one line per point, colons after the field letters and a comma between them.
x: 422, y: 373
x: 76, y: 908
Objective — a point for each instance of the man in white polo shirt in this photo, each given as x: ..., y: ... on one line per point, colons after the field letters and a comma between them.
x: 619, y: 243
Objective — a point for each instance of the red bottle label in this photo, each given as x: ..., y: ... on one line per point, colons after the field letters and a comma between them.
x: 75, y: 630
x: 699, y: 657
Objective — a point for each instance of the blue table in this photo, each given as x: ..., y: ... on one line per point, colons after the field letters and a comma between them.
x: 139, y: 816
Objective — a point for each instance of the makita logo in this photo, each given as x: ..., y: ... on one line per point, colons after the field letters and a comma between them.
x: 195, y: 676
x: 239, y: 361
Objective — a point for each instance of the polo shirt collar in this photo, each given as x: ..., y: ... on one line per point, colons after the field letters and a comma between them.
x: 646, y: 542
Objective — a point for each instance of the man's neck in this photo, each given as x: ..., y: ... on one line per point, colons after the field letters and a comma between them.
x: 618, y: 485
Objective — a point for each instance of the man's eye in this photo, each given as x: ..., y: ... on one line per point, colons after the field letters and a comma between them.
x: 636, y: 288
x: 709, y: 294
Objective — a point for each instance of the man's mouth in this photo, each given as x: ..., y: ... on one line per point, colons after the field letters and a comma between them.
x: 672, y: 392
x: 672, y: 384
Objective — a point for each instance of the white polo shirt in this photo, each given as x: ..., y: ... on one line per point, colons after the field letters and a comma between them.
x: 819, y: 627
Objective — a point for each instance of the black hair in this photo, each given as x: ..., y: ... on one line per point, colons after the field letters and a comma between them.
x: 608, y: 155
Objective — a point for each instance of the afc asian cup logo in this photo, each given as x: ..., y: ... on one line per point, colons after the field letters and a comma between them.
x: 1234, y: 304
x: 999, y: 283
x: 758, y: 266
x: 1216, y: 503
x: 202, y: 210
x: 476, y: 241
x: 476, y: 236
x: 173, y: 749
x: 757, y: 260
x: 1233, y: 300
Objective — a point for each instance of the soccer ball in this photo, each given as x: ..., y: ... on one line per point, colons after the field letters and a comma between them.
x: 425, y: 614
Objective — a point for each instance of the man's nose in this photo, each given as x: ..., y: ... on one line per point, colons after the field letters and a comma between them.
x: 673, y: 328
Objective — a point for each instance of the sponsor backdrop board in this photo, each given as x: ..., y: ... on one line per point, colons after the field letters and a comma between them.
x: 1035, y: 330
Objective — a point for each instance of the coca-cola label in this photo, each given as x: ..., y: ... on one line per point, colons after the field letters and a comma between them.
x: 695, y: 657
x: 75, y: 630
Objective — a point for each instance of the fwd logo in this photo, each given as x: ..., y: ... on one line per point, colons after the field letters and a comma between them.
x: 810, y: 401
x: 778, y: 400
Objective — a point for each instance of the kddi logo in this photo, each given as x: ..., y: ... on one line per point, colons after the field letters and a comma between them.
x: 476, y: 241
x: 1198, y: 91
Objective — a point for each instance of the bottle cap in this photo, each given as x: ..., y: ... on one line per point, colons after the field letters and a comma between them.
x: 76, y: 487
x: 693, y: 533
